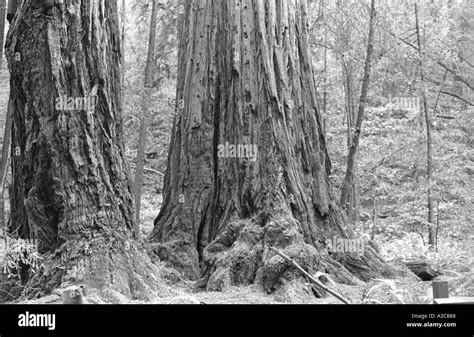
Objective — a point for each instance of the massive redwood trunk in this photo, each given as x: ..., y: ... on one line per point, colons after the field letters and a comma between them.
x: 246, y: 79
x: 70, y: 188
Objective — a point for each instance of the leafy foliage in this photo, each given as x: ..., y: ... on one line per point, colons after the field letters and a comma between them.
x: 20, y: 255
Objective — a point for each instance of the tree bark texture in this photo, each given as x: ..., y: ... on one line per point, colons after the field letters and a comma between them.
x: 246, y: 78
x: 70, y: 190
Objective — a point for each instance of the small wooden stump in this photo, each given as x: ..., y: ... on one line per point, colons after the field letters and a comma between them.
x: 73, y: 295
x: 440, y: 289
x: 441, y: 295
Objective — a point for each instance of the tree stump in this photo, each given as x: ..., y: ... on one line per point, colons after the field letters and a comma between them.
x: 73, y: 295
x: 440, y: 289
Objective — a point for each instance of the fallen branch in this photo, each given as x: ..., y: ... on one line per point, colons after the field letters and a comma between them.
x: 458, y: 97
x: 151, y: 178
x: 153, y: 171
x: 445, y: 117
x: 311, y: 278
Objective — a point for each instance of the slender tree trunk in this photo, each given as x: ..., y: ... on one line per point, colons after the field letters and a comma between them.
x: 140, y: 163
x: 354, y: 142
x: 123, y: 23
x: 374, y: 216
x: 70, y: 186
x: 325, y: 80
x: 429, y: 141
x: 351, y: 204
x: 6, y: 135
x: 3, y: 9
x: 144, y: 117
x: 245, y: 79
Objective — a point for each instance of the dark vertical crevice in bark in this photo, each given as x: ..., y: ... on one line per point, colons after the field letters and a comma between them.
x: 257, y: 89
x: 70, y: 189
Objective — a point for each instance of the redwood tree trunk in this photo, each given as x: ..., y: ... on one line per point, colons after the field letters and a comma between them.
x: 70, y: 190
x: 246, y: 78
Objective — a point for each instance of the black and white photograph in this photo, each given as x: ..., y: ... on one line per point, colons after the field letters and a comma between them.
x: 211, y: 162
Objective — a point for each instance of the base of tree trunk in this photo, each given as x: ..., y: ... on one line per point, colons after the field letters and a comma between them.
x: 101, y: 264
x: 241, y: 256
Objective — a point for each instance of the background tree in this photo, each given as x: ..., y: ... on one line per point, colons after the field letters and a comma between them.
x: 70, y: 190
x: 7, y: 127
x: 148, y: 85
x: 152, y: 103
x: 350, y: 188
x: 429, y: 139
x: 245, y: 77
x: 3, y: 8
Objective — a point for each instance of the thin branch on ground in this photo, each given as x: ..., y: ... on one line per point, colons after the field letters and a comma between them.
x: 311, y: 278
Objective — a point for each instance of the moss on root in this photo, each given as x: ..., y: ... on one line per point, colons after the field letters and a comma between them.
x: 241, y: 256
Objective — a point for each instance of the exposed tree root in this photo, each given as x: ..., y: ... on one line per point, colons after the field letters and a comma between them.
x: 100, y: 264
x: 241, y: 255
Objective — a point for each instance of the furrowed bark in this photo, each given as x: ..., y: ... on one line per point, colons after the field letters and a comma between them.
x: 70, y: 190
x: 246, y: 79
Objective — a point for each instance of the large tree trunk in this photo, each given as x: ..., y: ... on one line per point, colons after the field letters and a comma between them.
x: 70, y: 190
x: 246, y: 78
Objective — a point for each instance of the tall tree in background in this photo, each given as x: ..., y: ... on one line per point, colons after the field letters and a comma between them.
x: 245, y: 78
x: 148, y: 86
x: 3, y: 8
x: 7, y: 126
x: 348, y: 192
x: 123, y: 22
x: 70, y: 190
x: 349, y: 201
x: 429, y: 141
